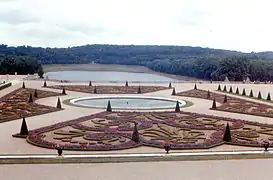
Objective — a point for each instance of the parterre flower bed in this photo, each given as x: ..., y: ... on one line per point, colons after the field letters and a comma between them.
x: 109, y: 89
x: 235, y: 105
x: 15, y: 104
x: 113, y: 131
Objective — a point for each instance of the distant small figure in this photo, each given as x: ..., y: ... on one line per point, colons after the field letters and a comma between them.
x: 266, y: 145
x: 59, y: 150
x: 167, y: 147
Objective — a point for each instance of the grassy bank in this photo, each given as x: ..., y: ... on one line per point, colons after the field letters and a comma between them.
x: 108, y: 67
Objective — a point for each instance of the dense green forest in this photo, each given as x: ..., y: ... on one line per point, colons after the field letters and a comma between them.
x: 204, y: 63
x: 9, y: 64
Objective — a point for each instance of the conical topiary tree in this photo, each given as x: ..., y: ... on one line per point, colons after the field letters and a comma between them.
x: 213, y: 104
x: 227, y: 134
x: 225, y: 98
x: 230, y: 89
x: 24, y: 129
x: 251, y: 93
x: 45, y: 85
x: 90, y: 83
x: 195, y: 86
x: 225, y: 88
x: 95, y: 90
x: 208, y: 95
x: 170, y: 85
x: 259, y: 95
x: 126, y: 84
x: 109, y: 108
x: 23, y: 86
x: 173, y: 92
x: 59, y: 104
x: 177, y: 107
x: 135, y: 135
x: 64, y: 92
x: 35, y: 93
x: 139, y: 90
x: 30, y: 99
x: 237, y: 91
x: 244, y: 92
x: 219, y: 88
x: 268, y: 97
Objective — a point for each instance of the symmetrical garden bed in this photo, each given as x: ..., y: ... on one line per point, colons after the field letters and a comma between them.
x: 15, y: 104
x: 110, y: 89
x: 113, y: 131
x: 233, y: 104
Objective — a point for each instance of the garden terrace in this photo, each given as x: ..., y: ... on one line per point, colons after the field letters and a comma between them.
x: 235, y: 105
x: 15, y: 104
x: 113, y: 131
x: 109, y: 89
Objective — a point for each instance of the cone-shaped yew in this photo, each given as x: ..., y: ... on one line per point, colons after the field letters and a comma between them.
x: 30, y: 99
x: 64, y: 92
x: 208, y: 95
x: 24, y: 129
x: 170, y: 85
x: 225, y: 88
x: 139, y: 90
x: 259, y: 95
x: 213, y: 104
x: 95, y: 90
x: 24, y: 86
x: 251, y: 93
x: 59, y: 104
x: 244, y: 92
x: 135, y: 135
x: 109, y: 108
x: 230, y: 89
x: 225, y: 98
x: 90, y: 83
x: 45, y: 85
x: 219, y: 88
x: 268, y: 97
x: 227, y: 135
x: 177, y: 107
x: 237, y: 91
x: 173, y: 92
x: 195, y: 86
x: 126, y: 84
x: 35, y: 93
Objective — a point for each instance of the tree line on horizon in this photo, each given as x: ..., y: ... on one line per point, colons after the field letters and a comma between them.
x: 203, y: 63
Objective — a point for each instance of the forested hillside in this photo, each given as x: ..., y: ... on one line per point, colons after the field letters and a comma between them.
x: 204, y: 63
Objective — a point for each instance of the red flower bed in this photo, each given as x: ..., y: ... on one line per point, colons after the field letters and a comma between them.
x: 235, y: 105
x: 110, y: 89
x: 15, y: 104
x: 113, y: 131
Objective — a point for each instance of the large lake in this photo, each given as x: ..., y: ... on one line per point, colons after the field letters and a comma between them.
x: 106, y: 76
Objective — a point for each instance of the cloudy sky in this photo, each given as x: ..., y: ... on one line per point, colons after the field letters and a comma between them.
x: 244, y: 25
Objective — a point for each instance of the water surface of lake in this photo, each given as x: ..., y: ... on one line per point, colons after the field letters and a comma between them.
x: 106, y: 76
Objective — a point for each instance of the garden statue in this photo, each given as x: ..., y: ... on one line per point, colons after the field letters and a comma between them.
x: 266, y: 145
x: 167, y: 147
x: 59, y: 150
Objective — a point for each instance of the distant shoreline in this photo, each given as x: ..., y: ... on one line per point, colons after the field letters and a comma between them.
x: 110, y: 67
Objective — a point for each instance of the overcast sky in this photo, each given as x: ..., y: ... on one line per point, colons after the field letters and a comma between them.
x: 244, y: 25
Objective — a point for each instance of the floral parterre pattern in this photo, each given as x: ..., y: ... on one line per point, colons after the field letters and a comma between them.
x: 15, y: 104
x: 110, y: 89
x: 233, y: 104
x: 113, y: 131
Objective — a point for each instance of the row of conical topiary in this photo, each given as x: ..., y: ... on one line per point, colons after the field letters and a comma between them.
x: 174, y: 92
x: 90, y: 84
x: 243, y: 92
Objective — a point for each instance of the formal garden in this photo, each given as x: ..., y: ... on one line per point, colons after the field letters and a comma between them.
x: 21, y: 103
x: 109, y: 89
x: 122, y: 130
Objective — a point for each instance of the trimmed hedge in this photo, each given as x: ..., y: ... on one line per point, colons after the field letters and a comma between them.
x: 6, y: 85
